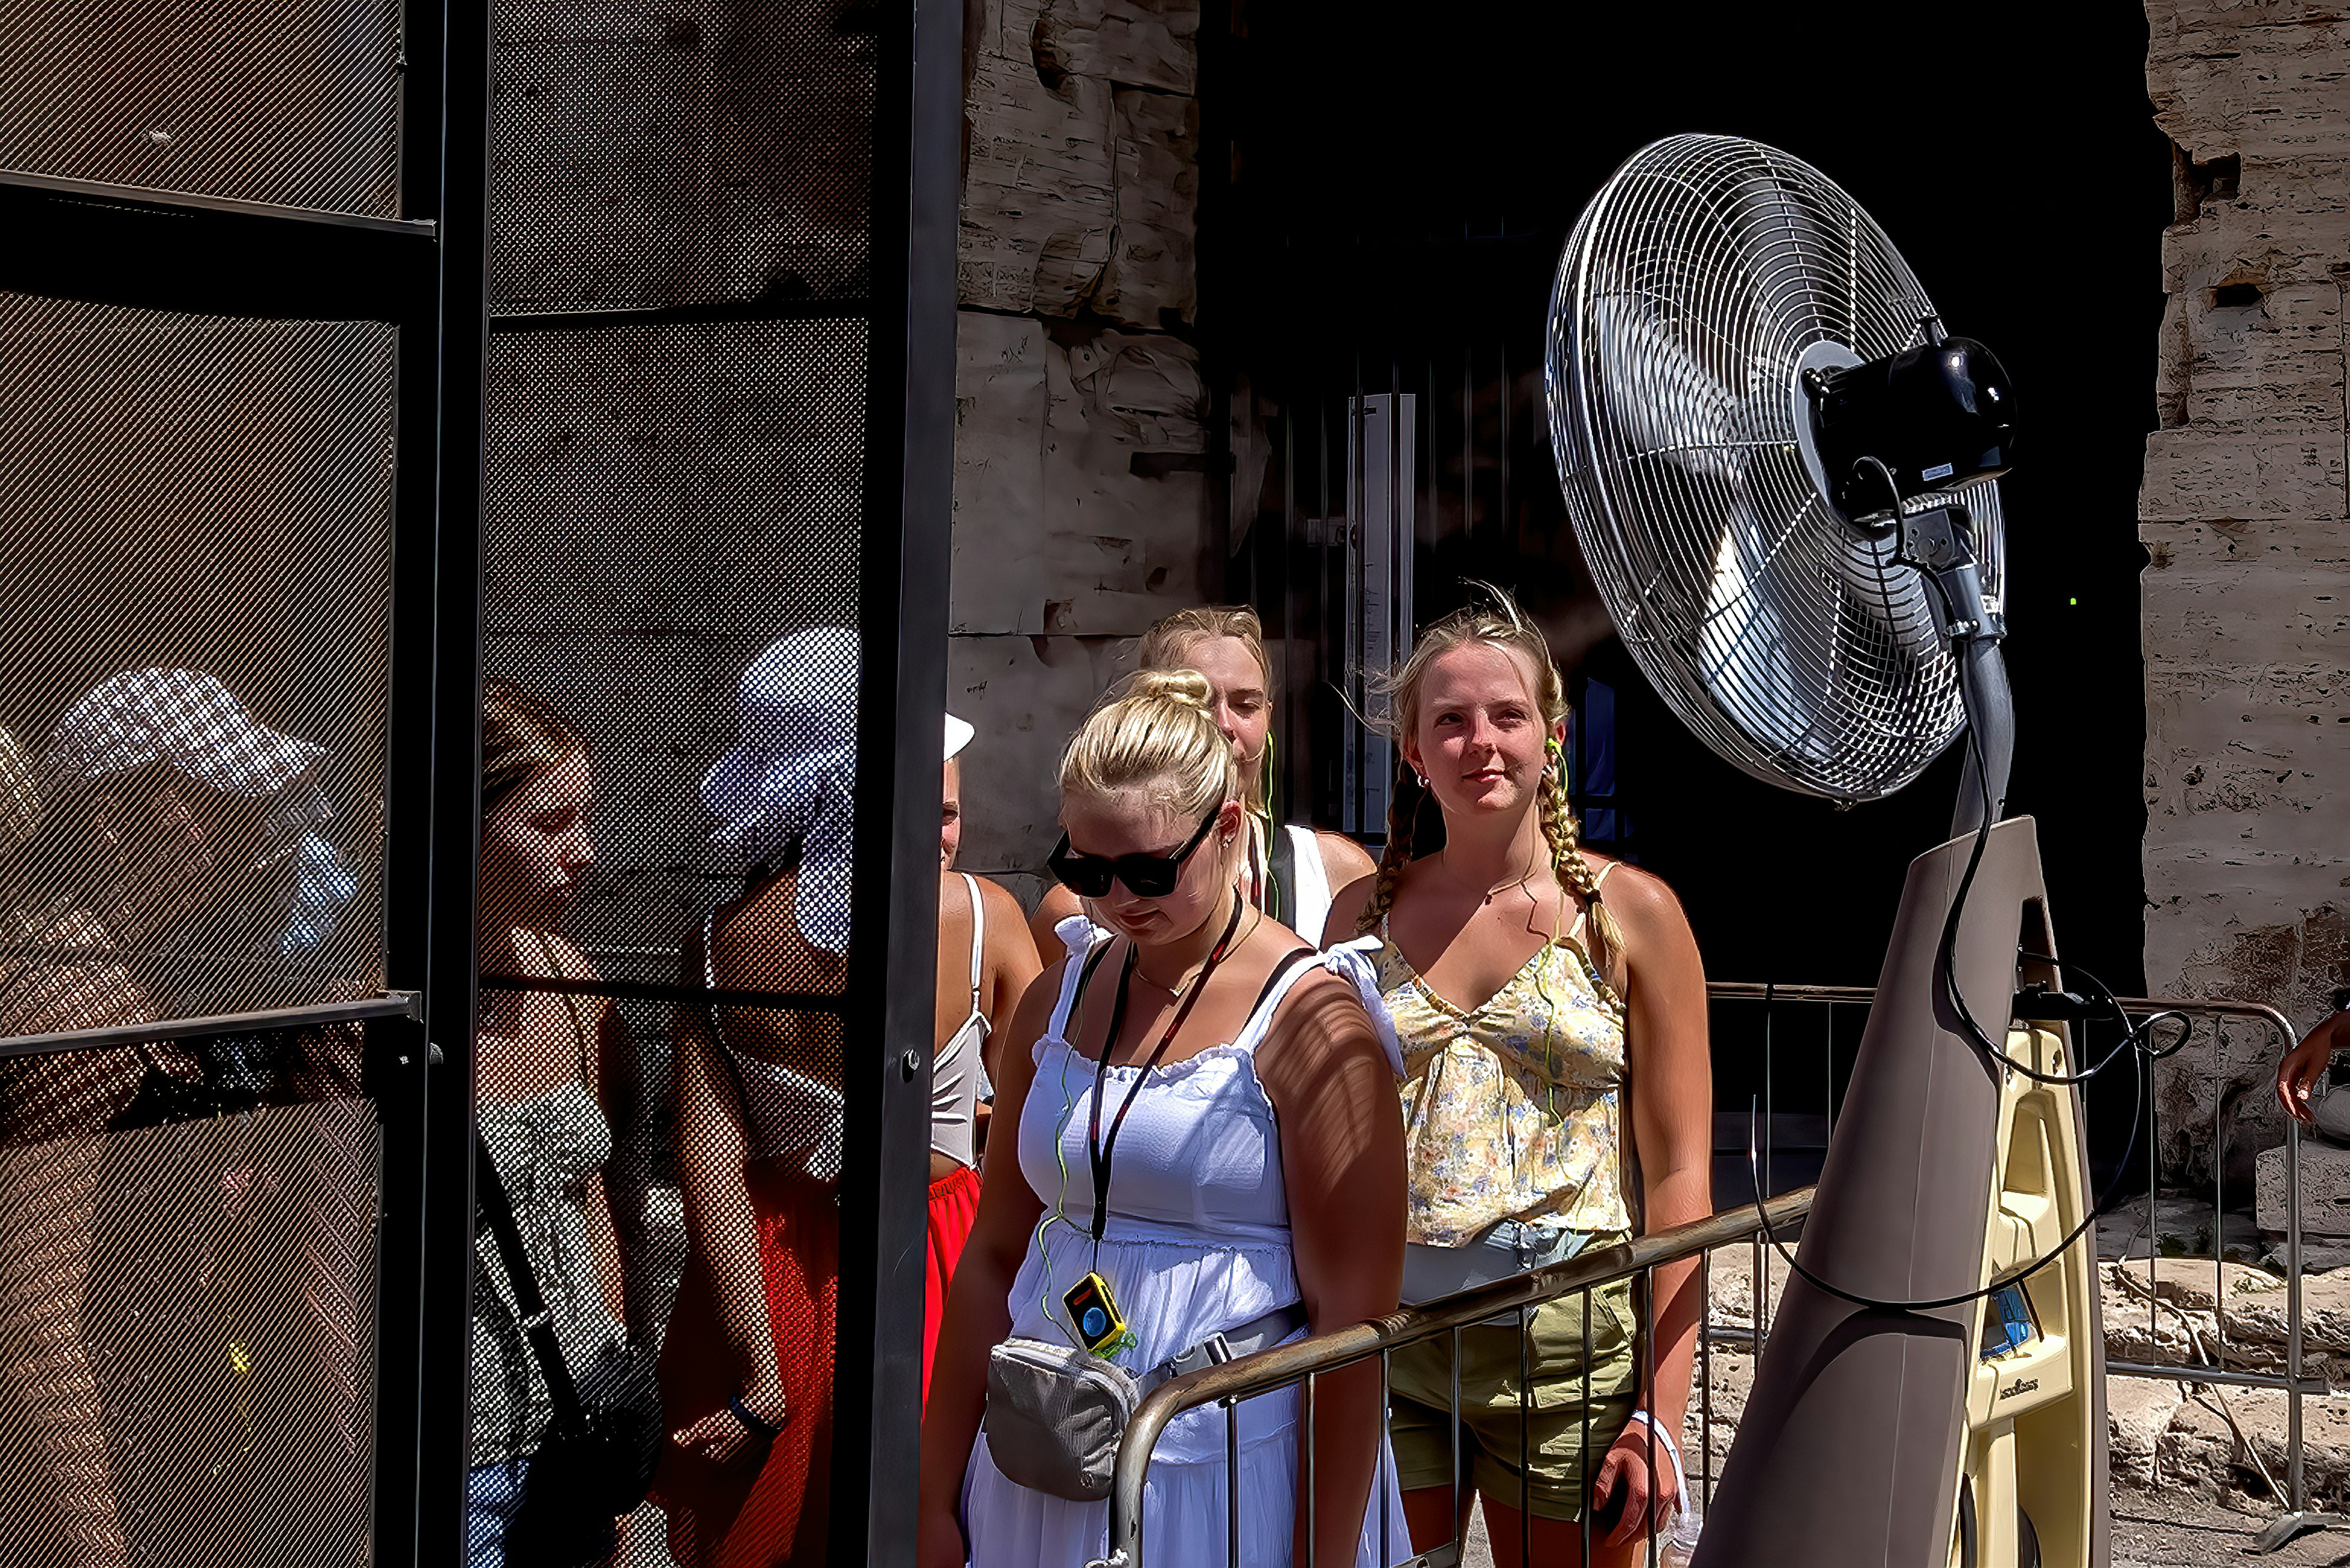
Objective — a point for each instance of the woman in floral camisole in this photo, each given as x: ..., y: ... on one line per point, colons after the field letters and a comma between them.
x: 1558, y: 1096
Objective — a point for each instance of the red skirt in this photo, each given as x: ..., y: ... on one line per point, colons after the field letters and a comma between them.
x: 955, y: 1205
x: 750, y: 1514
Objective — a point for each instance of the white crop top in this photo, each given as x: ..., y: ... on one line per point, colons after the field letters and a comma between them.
x: 955, y: 1071
x: 784, y: 1110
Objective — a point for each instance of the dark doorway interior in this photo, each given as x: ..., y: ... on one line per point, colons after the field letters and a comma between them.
x: 1400, y: 181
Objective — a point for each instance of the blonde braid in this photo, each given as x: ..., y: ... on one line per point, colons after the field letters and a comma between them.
x: 1574, y: 871
x: 1398, y: 852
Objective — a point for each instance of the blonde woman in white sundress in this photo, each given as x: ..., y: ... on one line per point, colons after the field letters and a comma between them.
x: 1198, y: 1108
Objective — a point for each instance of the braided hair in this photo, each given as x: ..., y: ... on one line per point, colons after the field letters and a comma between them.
x: 1403, y: 813
x: 1564, y: 836
x: 1497, y: 621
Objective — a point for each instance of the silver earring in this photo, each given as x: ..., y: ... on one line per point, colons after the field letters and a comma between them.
x: 1422, y: 778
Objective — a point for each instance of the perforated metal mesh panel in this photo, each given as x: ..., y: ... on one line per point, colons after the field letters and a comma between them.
x: 675, y: 157
x: 188, y: 1302
x: 291, y: 102
x: 671, y: 558
x: 196, y: 523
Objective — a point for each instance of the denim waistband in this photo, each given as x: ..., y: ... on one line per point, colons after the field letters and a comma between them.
x: 1505, y: 1248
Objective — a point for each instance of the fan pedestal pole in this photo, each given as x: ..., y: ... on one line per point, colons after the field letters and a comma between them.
x: 1990, y: 722
x: 1939, y: 542
x: 1885, y: 1436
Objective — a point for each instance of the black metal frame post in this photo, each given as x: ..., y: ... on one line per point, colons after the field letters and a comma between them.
x: 443, y: 678
x: 909, y: 480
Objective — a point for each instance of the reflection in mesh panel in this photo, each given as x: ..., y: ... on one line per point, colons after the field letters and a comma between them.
x: 187, y: 1255
x: 613, y: 1124
x: 671, y: 550
x: 293, y: 102
x: 681, y: 156
x: 190, y: 782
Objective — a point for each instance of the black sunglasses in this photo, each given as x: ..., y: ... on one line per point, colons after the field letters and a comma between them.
x: 1145, y: 876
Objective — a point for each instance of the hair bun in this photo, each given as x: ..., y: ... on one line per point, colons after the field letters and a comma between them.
x: 1187, y: 688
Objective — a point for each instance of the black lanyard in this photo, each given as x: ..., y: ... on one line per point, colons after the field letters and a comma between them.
x: 1099, y: 1150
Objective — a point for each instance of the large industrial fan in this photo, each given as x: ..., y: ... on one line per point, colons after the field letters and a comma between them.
x: 1780, y: 470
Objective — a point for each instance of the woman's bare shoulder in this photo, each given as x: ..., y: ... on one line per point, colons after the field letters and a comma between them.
x: 1058, y: 905
x: 570, y: 962
x: 1347, y: 907
x: 1002, y: 908
x: 1634, y: 890
x: 1343, y: 861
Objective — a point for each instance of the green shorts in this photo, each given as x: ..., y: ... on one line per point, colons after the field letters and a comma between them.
x: 1560, y: 1428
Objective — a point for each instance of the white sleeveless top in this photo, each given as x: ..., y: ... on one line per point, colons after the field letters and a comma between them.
x: 1197, y: 1241
x: 955, y: 1071
x: 784, y: 1111
x: 1306, y: 904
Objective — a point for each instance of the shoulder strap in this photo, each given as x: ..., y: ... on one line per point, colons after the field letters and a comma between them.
x: 710, y: 971
x: 1280, y: 903
x: 570, y: 1004
x: 537, y: 1323
x: 1268, y: 1000
x: 1074, y: 978
x: 977, y: 936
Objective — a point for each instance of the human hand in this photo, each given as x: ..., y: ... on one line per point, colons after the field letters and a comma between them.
x: 939, y: 1539
x: 722, y: 1436
x: 1651, y: 1495
x: 2298, y: 1074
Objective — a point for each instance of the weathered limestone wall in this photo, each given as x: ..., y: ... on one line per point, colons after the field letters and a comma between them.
x: 662, y: 501
x: 2246, y: 599
x: 1081, y: 499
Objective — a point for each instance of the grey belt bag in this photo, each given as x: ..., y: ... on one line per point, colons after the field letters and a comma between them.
x: 1056, y: 1414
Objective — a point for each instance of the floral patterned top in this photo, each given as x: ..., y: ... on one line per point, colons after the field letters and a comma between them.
x: 1514, y: 1110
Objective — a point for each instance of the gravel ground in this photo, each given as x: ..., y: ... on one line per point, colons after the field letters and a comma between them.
x: 2153, y: 1529
x: 2173, y: 1529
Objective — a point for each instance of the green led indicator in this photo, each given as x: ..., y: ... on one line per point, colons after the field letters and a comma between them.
x: 2072, y: 601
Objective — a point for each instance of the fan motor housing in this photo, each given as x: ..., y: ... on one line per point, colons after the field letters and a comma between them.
x: 1938, y: 416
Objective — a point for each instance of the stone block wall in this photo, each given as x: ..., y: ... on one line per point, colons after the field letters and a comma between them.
x: 2245, y: 607
x: 1081, y: 492
x: 664, y: 500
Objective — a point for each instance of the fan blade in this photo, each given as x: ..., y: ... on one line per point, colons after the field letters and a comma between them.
x: 1744, y: 657
x: 1660, y: 401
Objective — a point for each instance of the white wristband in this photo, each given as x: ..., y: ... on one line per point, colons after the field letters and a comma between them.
x: 1672, y: 1450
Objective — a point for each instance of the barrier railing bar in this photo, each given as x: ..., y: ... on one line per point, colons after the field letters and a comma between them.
x: 394, y: 1005
x: 2163, y: 1372
x: 1646, y: 1288
x: 2295, y: 1489
x: 1584, y: 1429
x: 1387, y: 1458
x: 670, y: 991
x: 1525, y: 1420
x: 1705, y: 1387
x: 1306, y: 1433
x: 1232, y: 1483
x: 1282, y: 1365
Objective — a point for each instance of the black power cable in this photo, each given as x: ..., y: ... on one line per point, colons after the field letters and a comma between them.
x: 2134, y: 1040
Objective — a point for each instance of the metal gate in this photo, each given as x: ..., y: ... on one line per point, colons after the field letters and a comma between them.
x: 273, y: 497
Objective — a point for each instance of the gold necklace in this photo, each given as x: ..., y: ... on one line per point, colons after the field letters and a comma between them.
x: 1175, y: 993
x: 1520, y: 880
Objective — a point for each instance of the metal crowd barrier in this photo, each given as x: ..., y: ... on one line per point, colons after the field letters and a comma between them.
x: 1305, y: 1361
x: 2293, y: 1383
x: 1308, y: 1360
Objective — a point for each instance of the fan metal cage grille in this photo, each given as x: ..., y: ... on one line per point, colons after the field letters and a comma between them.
x: 1688, y: 295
